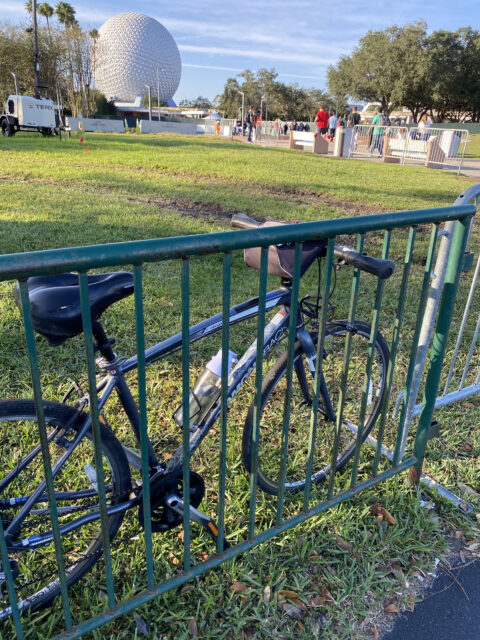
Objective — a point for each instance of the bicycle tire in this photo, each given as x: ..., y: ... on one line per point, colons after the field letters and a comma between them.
x: 272, y: 408
x: 37, y: 582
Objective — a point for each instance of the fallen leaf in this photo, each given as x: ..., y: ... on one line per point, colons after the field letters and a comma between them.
x: 175, y: 561
x: 382, y: 513
x: 391, y: 608
x: 459, y: 534
x: 477, y: 516
x: 187, y: 588
x: 321, y: 599
x: 313, y: 555
x: 267, y: 594
x: 291, y: 610
x: 375, y: 634
x: 141, y: 624
x: 343, y: 544
x: 290, y: 595
x: 411, y: 602
x: 467, y: 489
x: 469, y: 405
x: 474, y: 546
x: 300, y: 626
x: 192, y: 627
x: 397, y: 567
x: 238, y: 587
x: 298, y: 603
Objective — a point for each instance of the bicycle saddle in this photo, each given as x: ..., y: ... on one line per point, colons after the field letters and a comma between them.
x: 55, y: 301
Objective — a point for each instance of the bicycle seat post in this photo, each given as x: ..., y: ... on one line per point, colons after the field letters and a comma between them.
x: 102, y: 343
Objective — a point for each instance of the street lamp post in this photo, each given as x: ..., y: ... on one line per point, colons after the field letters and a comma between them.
x: 243, y: 107
x: 158, y: 91
x: 36, y: 63
x: 149, y: 101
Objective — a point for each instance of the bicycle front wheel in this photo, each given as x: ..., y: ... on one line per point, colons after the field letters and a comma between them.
x: 35, y: 569
x: 273, y: 406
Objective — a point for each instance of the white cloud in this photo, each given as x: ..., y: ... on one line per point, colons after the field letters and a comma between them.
x: 259, y: 55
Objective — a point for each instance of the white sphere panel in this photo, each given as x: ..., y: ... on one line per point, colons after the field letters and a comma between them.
x: 129, y: 49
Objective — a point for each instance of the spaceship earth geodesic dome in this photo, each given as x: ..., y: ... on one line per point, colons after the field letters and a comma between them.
x: 127, y: 53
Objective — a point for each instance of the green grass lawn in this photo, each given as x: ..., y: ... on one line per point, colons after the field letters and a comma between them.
x: 473, y: 147
x: 114, y: 188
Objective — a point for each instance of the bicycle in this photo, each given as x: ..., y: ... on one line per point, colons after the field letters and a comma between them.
x: 56, y: 314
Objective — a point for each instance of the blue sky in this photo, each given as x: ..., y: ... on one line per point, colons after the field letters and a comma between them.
x: 300, y: 39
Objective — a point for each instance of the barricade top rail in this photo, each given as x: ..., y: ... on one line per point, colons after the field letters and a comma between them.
x: 23, y: 265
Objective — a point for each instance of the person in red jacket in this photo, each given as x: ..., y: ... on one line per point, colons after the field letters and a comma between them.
x: 321, y: 120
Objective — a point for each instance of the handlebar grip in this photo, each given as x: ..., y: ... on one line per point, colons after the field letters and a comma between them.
x: 383, y: 269
x: 242, y: 221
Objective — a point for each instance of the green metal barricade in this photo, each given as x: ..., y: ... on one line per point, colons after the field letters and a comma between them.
x: 403, y: 228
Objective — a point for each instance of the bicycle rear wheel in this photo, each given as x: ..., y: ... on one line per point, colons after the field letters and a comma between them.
x: 35, y: 570
x: 273, y: 406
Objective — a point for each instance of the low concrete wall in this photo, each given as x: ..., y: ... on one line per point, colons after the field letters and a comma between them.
x: 99, y: 124
x: 96, y: 124
x: 155, y: 126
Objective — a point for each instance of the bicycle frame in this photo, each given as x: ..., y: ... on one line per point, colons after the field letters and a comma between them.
x: 115, y: 379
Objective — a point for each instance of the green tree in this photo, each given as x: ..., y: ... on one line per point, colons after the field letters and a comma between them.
x: 66, y: 14
x: 46, y: 10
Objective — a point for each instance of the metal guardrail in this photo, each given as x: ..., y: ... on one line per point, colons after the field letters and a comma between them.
x: 432, y: 147
x: 139, y: 255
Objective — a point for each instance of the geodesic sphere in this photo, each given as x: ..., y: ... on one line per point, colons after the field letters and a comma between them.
x: 127, y: 53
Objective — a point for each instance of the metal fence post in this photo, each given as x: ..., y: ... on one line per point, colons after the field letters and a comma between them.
x: 437, y: 351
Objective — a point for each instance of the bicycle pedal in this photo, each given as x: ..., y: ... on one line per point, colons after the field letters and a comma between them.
x: 176, y: 504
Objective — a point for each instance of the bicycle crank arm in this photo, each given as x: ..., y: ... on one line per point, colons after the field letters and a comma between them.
x: 176, y: 504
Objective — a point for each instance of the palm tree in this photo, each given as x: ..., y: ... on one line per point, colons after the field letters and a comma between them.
x: 66, y: 14
x: 29, y: 6
x: 45, y: 10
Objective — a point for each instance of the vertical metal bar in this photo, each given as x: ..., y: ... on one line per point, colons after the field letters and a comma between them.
x: 439, y: 343
x: 186, y: 409
x: 42, y: 431
x: 142, y: 401
x: 470, y: 354
x: 97, y: 442
x: 406, y: 401
x: 325, y: 292
x: 345, y: 368
x: 462, y: 328
x: 10, y: 584
x: 257, y: 411
x: 371, y: 354
x: 288, y: 394
x: 394, y: 344
x: 227, y: 264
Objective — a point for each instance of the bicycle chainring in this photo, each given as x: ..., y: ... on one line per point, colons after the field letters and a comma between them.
x: 162, y: 516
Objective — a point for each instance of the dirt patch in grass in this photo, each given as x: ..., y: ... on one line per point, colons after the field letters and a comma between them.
x: 306, y: 197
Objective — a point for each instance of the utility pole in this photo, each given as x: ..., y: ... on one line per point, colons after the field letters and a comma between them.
x: 149, y: 101
x: 158, y: 96
x: 243, y: 107
x: 36, y: 63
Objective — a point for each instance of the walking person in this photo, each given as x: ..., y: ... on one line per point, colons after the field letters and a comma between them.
x: 250, y: 122
x: 354, y: 118
x: 377, y: 123
x: 332, y: 125
x: 321, y: 120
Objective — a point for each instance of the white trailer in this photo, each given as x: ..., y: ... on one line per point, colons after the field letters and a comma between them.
x: 28, y: 114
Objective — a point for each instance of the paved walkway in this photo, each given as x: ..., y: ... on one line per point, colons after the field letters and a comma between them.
x: 449, y: 611
x: 470, y: 166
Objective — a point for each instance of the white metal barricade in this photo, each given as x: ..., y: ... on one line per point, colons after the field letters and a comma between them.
x: 433, y: 147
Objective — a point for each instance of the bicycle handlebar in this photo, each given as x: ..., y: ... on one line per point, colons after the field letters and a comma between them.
x: 379, y: 267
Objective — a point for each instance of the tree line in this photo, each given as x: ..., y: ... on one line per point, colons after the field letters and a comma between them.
x: 284, y: 101
x: 66, y: 55
x: 436, y: 74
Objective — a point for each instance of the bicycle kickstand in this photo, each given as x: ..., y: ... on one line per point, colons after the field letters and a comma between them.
x: 176, y: 504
